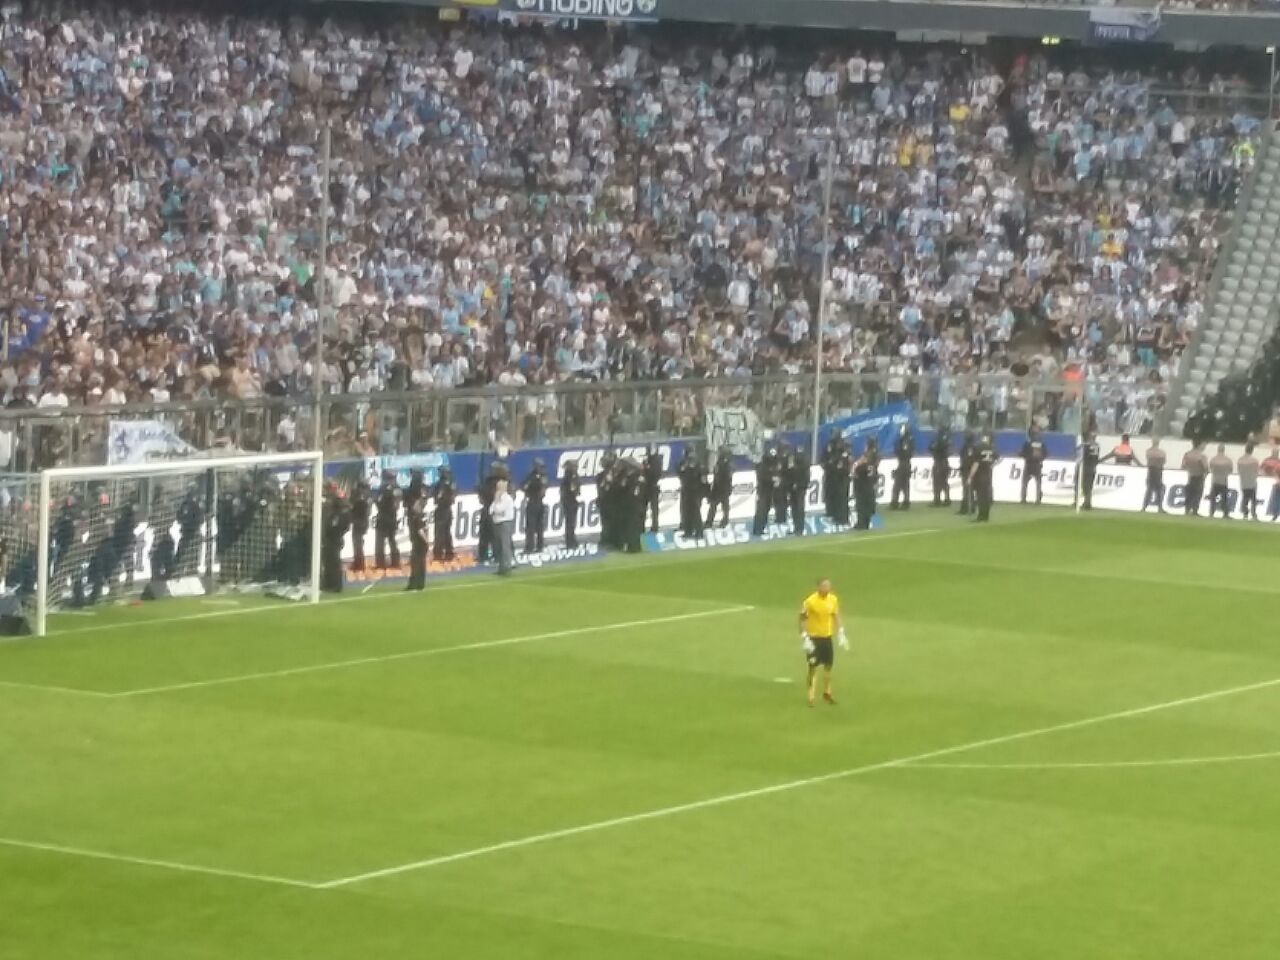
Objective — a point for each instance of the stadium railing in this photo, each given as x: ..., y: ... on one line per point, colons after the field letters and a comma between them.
x: 568, y: 413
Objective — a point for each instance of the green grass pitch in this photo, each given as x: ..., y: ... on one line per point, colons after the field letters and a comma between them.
x: 1057, y: 737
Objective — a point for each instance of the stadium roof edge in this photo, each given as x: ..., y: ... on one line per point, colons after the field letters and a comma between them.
x: 966, y: 20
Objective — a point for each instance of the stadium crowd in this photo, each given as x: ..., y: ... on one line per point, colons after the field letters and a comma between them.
x: 526, y: 206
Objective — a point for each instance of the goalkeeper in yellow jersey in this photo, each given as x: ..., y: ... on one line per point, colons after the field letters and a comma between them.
x: 820, y: 626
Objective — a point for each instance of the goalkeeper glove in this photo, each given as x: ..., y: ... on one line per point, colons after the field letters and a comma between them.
x: 806, y: 643
x: 844, y: 640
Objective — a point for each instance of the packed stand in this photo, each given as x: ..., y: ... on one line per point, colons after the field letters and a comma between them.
x: 522, y: 206
x: 1225, y: 6
x: 1089, y: 266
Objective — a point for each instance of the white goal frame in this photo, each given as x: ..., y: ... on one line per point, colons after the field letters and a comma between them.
x: 191, y: 465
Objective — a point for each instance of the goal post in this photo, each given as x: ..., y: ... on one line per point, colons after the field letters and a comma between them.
x: 126, y: 532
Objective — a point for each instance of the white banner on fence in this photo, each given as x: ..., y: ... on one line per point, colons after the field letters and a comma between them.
x: 737, y: 428
x: 1114, y: 487
x: 139, y: 441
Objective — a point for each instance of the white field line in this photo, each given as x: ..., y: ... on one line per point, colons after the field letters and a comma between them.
x: 16, y: 685
x: 147, y: 862
x: 1106, y: 764
x: 723, y: 799
x: 431, y: 651
x: 802, y: 543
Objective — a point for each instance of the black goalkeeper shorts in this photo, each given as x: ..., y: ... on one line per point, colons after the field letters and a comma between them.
x: 824, y: 654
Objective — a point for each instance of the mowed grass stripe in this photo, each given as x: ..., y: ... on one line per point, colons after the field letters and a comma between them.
x: 1032, y: 569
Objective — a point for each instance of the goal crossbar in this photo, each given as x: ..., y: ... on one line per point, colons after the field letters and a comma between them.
x: 164, y: 468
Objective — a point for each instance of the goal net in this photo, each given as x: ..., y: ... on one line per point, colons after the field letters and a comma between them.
x: 79, y: 537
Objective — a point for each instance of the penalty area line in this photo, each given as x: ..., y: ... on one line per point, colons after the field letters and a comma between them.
x: 85, y: 854
x: 432, y: 651
x: 1108, y: 764
x: 46, y: 688
x: 784, y: 787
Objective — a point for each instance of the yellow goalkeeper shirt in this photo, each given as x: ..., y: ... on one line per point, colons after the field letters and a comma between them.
x: 820, y: 614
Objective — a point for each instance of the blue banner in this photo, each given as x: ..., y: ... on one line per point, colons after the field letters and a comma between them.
x: 883, y: 423
x: 403, y: 466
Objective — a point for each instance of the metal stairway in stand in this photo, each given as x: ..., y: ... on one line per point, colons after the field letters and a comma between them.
x: 1242, y: 294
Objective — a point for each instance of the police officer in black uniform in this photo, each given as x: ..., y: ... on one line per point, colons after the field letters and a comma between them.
x: 864, y: 489
x: 607, y: 485
x: 96, y: 571
x: 416, y: 517
x: 64, y: 534
x: 296, y: 552
x: 361, y: 508
x: 535, y: 509
x: 904, y: 448
x: 652, y: 485
x: 830, y: 457
x: 981, y: 474
x: 798, y: 489
x: 387, y: 523
x: 968, y: 456
x: 416, y: 490
x: 782, y: 485
x: 841, y: 477
x: 872, y: 452
x: 444, y: 493
x: 766, y: 479
x: 632, y: 506
x: 162, y: 554
x: 570, y: 496
x: 335, y: 519
x: 721, y: 488
x: 484, y: 522
x: 1090, y: 455
x: 227, y: 515
x: 123, y: 539
x: 1033, y: 457
x: 940, y: 450
x: 190, y: 520
x: 263, y: 516
x: 691, y: 483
